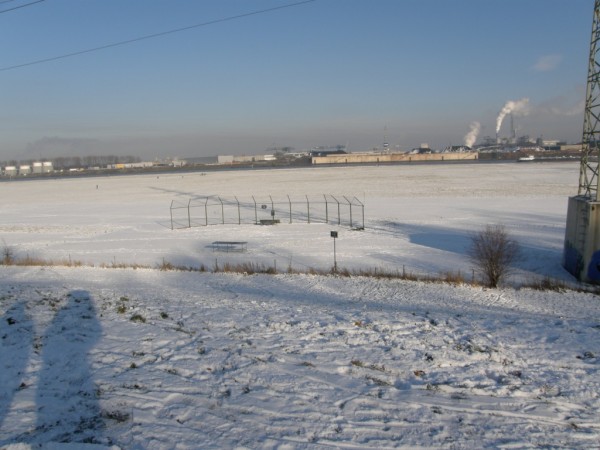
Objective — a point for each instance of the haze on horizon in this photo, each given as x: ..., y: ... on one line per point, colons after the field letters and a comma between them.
x: 322, y: 72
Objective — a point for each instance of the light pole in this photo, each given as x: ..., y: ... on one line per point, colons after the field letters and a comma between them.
x: 334, y: 235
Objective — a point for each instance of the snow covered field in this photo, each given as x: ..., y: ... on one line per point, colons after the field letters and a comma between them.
x: 418, y: 217
x: 140, y: 358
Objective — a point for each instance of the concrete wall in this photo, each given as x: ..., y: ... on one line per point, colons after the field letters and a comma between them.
x: 581, y: 255
x: 367, y: 158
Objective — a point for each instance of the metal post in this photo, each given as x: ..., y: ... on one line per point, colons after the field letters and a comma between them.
x: 189, y: 217
x: 350, y: 206
x: 334, y: 235
x: 362, y: 209
x: 326, y: 209
x: 290, y: 202
x: 206, y: 211
x: 334, y: 257
x: 171, y: 210
x: 338, y: 205
x: 308, y: 209
x: 239, y: 215
x: 255, y: 211
x: 222, y: 211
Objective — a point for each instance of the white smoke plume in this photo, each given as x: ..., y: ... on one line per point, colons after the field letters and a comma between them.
x: 471, y: 136
x: 512, y: 106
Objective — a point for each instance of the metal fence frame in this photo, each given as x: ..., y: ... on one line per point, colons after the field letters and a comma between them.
x: 217, y: 210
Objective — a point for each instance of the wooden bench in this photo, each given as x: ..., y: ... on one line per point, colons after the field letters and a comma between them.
x: 230, y: 246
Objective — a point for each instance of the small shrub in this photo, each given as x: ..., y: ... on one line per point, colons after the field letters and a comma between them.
x: 8, y: 254
x: 166, y: 265
x: 138, y: 318
x: 377, y: 381
x: 33, y: 261
x: 548, y: 284
x: 493, y: 252
x: 341, y: 272
x: 314, y: 271
x: 117, y: 416
x: 248, y: 268
x: 271, y: 271
x: 453, y: 278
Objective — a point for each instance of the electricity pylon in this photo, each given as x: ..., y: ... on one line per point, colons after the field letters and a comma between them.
x: 588, y: 172
x: 581, y: 255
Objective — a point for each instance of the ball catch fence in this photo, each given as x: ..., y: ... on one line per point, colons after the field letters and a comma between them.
x: 219, y: 210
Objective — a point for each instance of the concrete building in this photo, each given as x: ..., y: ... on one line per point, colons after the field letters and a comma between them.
x: 370, y: 158
x: 11, y: 171
x: 232, y: 159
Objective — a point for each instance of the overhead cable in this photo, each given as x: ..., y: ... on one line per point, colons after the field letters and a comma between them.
x: 155, y: 35
x: 20, y: 6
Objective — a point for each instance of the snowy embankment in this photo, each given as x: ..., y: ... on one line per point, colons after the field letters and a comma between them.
x: 149, y: 359
x: 144, y: 359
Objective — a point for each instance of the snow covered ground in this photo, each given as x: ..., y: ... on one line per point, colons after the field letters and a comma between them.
x: 146, y: 359
x: 418, y: 217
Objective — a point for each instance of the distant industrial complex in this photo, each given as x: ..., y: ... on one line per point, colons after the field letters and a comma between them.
x: 512, y: 148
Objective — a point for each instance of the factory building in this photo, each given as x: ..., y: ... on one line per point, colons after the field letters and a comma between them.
x: 36, y: 168
x: 377, y: 158
x: 232, y: 159
x: 10, y: 171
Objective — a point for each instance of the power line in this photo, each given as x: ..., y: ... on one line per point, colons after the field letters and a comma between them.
x: 20, y: 6
x: 155, y: 35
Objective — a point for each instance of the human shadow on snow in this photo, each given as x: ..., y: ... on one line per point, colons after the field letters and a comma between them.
x: 16, y: 332
x: 67, y: 406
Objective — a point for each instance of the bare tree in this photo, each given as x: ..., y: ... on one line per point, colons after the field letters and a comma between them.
x: 8, y: 255
x: 493, y: 252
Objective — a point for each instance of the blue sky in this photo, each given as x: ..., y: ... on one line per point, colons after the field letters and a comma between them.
x: 325, y: 72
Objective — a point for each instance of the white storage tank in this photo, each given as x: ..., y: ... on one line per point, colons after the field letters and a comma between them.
x: 10, y: 171
x: 37, y: 167
x: 47, y: 167
x: 24, y: 170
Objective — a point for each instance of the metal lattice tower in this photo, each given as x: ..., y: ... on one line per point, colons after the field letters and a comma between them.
x: 590, y: 157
